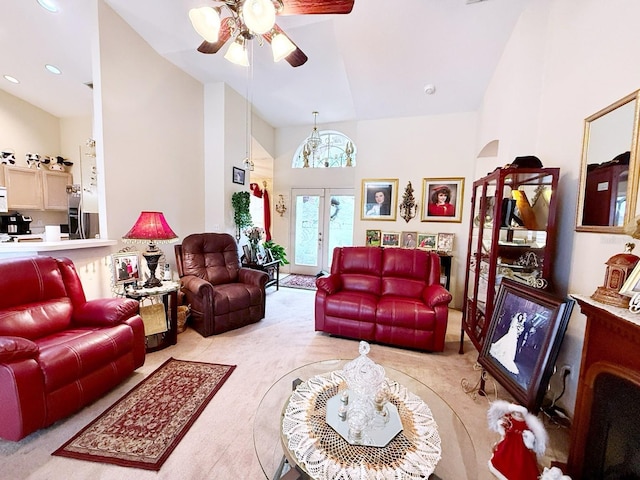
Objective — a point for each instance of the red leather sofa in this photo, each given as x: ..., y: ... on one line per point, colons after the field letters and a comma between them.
x: 384, y: 295
x: 58, y: 351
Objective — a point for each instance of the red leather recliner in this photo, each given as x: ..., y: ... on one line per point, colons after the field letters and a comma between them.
x: 58, y: 351
x: 223, y: 296
x: 384, y: 295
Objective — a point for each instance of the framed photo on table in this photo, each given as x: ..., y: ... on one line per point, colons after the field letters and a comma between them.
x: 442, y: 199
x: 409, y: 240
x: 390, y: 239
x: 427, y: 241
x: 373, y: 238
x: 379, y: 198
x: 238, y: 175
x: 523, y: 340
x: 445, y: 242
x: 125, y: 267
x: 631, y: 285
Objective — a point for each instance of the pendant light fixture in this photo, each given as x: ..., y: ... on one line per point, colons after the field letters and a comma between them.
x: 314, y: 141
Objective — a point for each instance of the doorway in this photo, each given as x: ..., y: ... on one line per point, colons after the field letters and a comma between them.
x: 322, y: 220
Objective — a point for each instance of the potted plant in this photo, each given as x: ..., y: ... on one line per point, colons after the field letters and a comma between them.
x: 277, y: 251
x: 240, y: 202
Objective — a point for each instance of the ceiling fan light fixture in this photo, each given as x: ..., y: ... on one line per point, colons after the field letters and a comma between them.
x: 206, y: 21
x: 281, y: 46
x: 259, y: 15
x: 237, y: 53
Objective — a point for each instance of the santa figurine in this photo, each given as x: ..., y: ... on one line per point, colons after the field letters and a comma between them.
x: 523, y: 440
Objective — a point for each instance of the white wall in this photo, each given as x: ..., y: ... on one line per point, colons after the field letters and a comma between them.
x: 577, y: 57
x: 408, y: 149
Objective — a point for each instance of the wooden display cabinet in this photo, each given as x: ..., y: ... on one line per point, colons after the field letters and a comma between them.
x: 512, y: 234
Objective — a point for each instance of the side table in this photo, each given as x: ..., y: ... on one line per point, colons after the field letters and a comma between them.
x: 168, y: 292
x: 272, y: 269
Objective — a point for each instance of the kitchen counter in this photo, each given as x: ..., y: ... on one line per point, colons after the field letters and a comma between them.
x: 13, y: 249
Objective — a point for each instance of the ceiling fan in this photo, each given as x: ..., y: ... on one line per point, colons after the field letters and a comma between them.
x: 247, y: 19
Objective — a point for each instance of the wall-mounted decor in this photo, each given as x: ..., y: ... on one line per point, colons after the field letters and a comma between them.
x: 442, y: 199
x: 238, y: 175
x: 373, y: 238
x: 390, y: 239
x: 379, y: 199
x: 427, y: 241
x: 523, y: 340
x: 408, y: 206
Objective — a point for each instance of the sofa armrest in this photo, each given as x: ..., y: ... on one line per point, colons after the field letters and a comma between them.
x: 196, y: 286
x: 105, y: 312
x: 253, y: 277
x: 435, y: 294
x: 13, y: 349
x: 330, y: 284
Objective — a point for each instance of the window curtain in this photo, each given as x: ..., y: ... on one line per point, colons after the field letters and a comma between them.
x: 264, y: 194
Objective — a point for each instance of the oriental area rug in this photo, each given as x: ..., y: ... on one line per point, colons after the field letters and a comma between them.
x: 307, y: 282
x: 142, y: 428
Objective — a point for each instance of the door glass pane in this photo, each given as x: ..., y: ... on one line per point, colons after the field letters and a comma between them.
x: 340, y: 223
x: 307, y: 225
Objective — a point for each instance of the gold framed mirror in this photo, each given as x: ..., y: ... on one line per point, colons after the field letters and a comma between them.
x: 609, y: 173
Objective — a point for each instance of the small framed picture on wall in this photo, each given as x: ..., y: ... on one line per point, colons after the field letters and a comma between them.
x: 238, y: 175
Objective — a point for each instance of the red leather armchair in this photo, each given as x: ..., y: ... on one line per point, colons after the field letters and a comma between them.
x: 384, y: 295
x: 58, y: 351
x: 223, y: 296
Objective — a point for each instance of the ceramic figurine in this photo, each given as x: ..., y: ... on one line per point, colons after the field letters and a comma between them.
x: 523, y: 440
x: 7, y: 157
x: 33, y: 160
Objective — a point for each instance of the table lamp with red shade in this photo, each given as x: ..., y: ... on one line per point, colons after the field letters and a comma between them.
x: 153, y: 228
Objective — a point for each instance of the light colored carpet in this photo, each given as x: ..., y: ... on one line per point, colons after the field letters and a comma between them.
x: 220, y: 443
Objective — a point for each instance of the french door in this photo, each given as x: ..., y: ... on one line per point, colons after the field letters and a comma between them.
x: 322, y: 220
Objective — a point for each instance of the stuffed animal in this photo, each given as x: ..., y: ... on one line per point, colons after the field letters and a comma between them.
x: 33, y: 160
x: 7, y: 157
x: 59, y: 163
x: 523, y: 440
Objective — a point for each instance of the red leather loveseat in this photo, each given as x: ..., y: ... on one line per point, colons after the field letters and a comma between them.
x: 58, y: 351
x: 384, y: 295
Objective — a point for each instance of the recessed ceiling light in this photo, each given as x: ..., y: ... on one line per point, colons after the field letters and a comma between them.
x: 48, y: 5
x: 11, y: 79
x: 53, y: 69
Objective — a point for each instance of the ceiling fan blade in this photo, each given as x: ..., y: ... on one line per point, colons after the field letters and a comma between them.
x: 316, y: 7
x: 295, y: 58
x: 223, y: 36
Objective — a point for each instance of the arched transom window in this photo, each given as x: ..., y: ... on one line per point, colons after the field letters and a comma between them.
x: 334, y: 150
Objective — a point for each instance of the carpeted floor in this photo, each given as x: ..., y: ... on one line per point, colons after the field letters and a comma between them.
x: 306, y: 282
x: 142, y: 428
x: 219, y: 445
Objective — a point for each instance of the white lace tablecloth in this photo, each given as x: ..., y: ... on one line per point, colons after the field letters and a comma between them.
x: 325, y: 455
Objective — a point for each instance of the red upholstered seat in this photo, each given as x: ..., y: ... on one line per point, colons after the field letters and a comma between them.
x: 223, y: 296
x: 390, y: 296
x: 58, y: 351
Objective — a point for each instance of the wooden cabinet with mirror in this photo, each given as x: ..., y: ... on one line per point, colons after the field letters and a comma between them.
x: 609, y: 172
x: 512, y: 235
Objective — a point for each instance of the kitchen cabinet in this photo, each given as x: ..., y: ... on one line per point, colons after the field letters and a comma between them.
x: 33, y: 189
x: 512, y: 234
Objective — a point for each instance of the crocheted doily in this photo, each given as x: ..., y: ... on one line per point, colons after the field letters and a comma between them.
x: 317, y: 448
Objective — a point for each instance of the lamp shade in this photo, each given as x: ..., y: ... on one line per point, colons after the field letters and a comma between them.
x: 281, y: 46
x: 237, y: 53
x: 151, y: 227
x: 259, y: 15
x: 206, y: 21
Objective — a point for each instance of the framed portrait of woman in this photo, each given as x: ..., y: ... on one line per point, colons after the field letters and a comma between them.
x: 442, y: 199
x: 379, y: 199
x: 523, y: 340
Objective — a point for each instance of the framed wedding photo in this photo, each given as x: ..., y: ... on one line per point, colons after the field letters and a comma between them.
x: 523, y: 340
x: 238, y: 175
x: 379, y: 198
x: 442, y: 199
x: 373, y: 238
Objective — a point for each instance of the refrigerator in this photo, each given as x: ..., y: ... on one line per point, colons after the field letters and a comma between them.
x: 82, y: 224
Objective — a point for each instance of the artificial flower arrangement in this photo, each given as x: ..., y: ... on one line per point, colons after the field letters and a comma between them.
x: 254, y: 235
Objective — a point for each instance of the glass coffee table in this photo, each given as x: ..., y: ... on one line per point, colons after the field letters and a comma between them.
x: 458, y: 453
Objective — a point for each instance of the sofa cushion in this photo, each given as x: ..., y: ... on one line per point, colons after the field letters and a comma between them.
x: 231, y: 297
x: 405, y: 312
x: 73, y: 354
x: 404, y: 272
x: 211, y: 257
x: 359, y: 269
x: 36, y: 320
x: 352, y: 305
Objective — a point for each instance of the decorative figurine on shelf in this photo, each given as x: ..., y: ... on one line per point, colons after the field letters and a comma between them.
x: 33, y: 160
x: 553, y: 473
x: 59, y: 164
x: 523, y: 440
x: 619, y: 267
x: 7, y: 157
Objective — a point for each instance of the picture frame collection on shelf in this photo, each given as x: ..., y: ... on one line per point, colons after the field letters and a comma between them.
x: 440, y: 242
x: 442, y: 199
